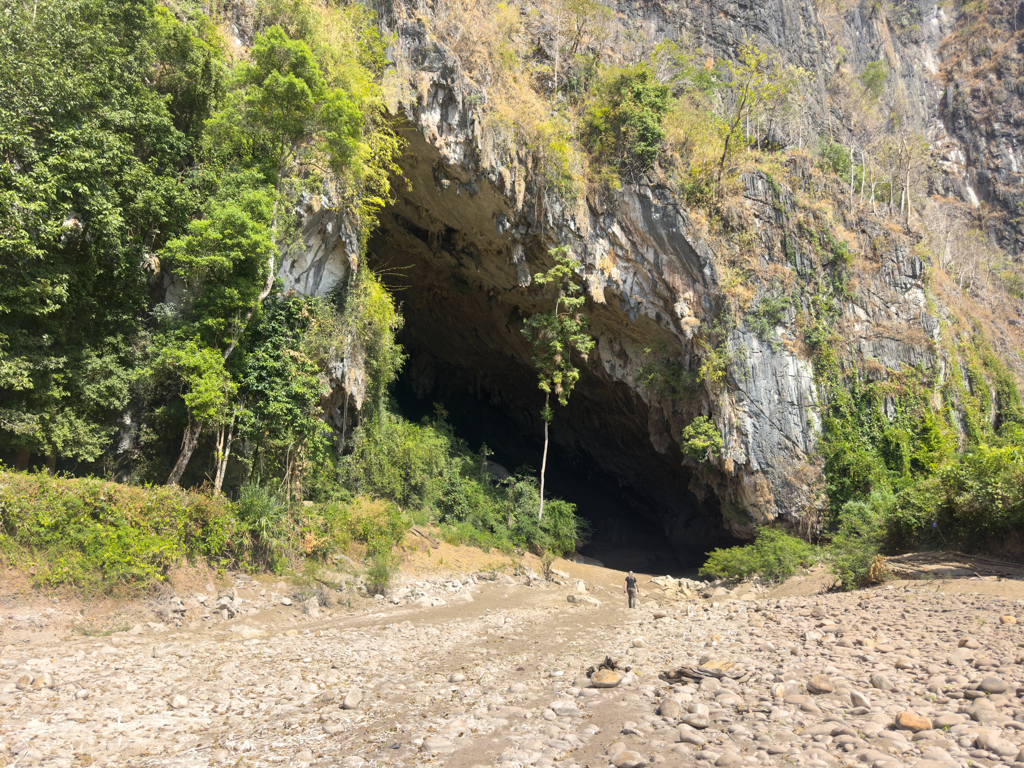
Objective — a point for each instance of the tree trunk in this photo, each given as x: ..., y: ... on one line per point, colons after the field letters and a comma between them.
x: 863, y: 175
x: 908, y: 198
x: 188, y: 444
x: 51, y: 462
x: 544, y: 459
x: 344, y: 421
x: 21, y: 459
x: 224, y: 453
x: 558, y: 46
x: 853, y: 162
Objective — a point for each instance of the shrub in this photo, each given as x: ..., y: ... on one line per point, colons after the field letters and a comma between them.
x: 854, y: 552
x: 263, y: 517
x: 94, y: 534
x: 624, y: 122
x: 383, y: 568
x: 546, y: 561
x: 701, y: 439
x: 834, y: 157
x: 774, y: 554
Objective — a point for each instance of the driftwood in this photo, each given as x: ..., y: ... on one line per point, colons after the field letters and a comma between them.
x: 716, y: 668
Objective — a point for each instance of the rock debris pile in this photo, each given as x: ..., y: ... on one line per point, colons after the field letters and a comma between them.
x: 906, y: 676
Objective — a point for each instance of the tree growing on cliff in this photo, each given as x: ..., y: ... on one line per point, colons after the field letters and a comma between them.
x: 554, y: 336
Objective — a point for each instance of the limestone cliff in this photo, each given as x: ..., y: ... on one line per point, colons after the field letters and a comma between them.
x: 476, y: 221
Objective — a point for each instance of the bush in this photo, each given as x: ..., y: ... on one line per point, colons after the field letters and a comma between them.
x: 383, y: 568
x: 624, y: 123
x: 701, y: 439
x: 263, y: 517
x: 94, y: 534
x: 834, y: 157
x: 547, y: 560
x: 774, y: 554
x: 854, y: 552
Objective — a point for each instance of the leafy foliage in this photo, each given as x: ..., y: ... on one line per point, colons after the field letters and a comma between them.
x: 701, y: 439
x: 853, y: 552
x: 555, y: 335
x: 624, y: 122
x: 92, y: 171
x: 774, y: 554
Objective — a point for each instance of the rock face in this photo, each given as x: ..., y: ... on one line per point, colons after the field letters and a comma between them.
x: 476, y: 222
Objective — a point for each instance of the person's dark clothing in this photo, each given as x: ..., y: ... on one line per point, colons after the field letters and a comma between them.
x: 631, y: 590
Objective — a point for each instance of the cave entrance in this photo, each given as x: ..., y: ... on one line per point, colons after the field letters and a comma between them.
x: 621, y: 536
x: 459, y: 261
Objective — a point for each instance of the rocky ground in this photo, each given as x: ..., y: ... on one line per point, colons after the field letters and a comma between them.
x: 478, y: 672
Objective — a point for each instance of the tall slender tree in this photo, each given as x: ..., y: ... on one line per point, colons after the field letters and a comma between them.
x: 554, y: 336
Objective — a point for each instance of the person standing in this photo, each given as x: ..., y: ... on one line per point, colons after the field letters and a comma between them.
x: 630, y: 589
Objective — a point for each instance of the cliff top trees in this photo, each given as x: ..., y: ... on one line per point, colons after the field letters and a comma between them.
x: 624, y: 121
x: 554, y: 336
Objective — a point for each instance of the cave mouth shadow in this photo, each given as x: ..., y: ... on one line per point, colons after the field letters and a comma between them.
x: 623, y: 536
x: 462, y: 274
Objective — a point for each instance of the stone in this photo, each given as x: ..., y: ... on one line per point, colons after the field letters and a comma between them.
x: 312, y: 608
x: 992, y: 742
x: 993, y: 685
x: 698, y: 721
x: 947, y: 720
x: 880, y: 682
x: 178, y: 701
x: 858, y: 699
x: 690, y: 736
x: 1007, y: 620
x: 304, y: 757
x: 670, y: 708
x: 614, y: 749
x: 910, y: 721
x: 659, y: 615
x: 819, y: 684
x: 638, y: 642
x: 563, y: 707
x: 627, y: 758
x: 435, y: 744
x: 583, y: 600
x: 968, y: 642
x: 605, y: 678
x: 352, y: 699
x: 456, y: 677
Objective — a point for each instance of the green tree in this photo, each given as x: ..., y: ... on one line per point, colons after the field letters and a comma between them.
x: 624, y: 122
x: 221, y: 260
x: 207, y: 390
x: 555, y: 335
x: 92, y: 177
x: 756, y: 81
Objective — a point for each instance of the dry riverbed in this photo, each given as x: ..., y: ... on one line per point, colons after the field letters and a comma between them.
x: 471, y: 672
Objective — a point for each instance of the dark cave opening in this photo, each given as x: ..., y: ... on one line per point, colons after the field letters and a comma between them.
x: 461, y: 271
x: 621, y: 536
